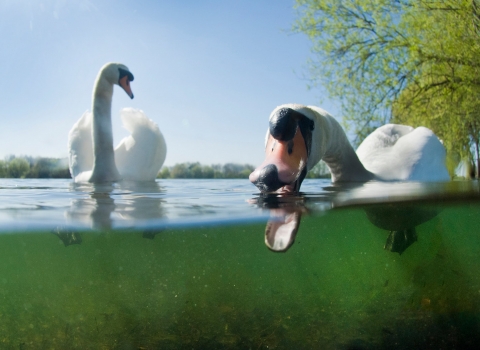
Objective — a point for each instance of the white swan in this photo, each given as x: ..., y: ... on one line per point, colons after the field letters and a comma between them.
x: 300, y: 136
x: 138, y: 157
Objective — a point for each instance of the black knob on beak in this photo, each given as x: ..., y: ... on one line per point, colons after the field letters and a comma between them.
x: 283, y: 124
x: 268, y: 180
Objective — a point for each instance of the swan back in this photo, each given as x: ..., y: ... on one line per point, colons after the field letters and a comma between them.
x: 140, y: 156
x: 399, y: 152
x: 80, y: 148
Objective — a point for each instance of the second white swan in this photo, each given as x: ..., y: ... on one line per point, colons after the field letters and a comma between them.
x: 300, y: 136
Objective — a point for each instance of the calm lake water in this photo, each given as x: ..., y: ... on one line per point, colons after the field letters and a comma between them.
x: 194, y: 264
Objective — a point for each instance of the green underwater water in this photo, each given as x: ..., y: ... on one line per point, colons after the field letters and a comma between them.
x: 219, y: 287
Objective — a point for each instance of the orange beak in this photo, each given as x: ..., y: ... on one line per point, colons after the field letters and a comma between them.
x: 124, y: 82
x: 286, y: 159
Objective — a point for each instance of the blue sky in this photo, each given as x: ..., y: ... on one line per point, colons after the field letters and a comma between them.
x: 207, y: 72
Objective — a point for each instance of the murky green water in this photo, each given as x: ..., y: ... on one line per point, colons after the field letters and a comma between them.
x: 218, y: 286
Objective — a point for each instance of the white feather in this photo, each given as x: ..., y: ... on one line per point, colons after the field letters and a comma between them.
x: 138, y: 157
x: 92, y: 158
x: 400, y: 152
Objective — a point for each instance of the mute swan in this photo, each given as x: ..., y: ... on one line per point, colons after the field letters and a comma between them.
x: 300, y: 136
x: 138, y: 157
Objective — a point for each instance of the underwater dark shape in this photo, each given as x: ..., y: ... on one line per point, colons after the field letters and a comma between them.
x: 150, y: 234
x: 399, y: 241
x: 400, y: 220
x: 68, y: 237
x: 398, y: 216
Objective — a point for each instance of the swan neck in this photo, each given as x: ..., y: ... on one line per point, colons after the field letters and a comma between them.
x: 336, y: 151
x: 104, y: 168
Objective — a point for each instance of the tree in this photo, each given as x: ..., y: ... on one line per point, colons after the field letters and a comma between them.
x: 179, y: 171
x: 319, y: 171
x: 413, y: 61
x: 198, y: 171
x: 164, y: 173
x: 444, y: 95
x: 46, y: 168
x: 208, y: 172
x: 3, y: 169
x: 18, y: 168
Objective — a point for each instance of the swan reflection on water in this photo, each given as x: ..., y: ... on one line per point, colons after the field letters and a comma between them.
x: 389, y: 206
x: 98, y: 206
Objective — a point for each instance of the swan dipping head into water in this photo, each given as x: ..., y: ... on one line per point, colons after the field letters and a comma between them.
x: 300, y: 136
x: 92, y: 157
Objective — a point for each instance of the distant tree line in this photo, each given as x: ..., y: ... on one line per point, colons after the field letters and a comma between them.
x: 226, y: 171
x: 34, y: 168
x: 199, y: 171
x: 26, y: 167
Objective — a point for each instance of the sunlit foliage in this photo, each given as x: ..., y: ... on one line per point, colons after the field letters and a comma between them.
x: 413, y: 62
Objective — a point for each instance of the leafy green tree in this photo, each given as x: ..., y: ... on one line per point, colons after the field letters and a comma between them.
x: 415, y: 61
x: 17, y: 168
x: 236, y: 171
x: 195, y: 171
x: 360, y: 55
x: 199, y: 171
x: 445, y: 93
x: 45, y: 168
x: 208, y: 172
x: 3, y: 169
x: 179, y: 171
x: 319, y: 171
x: 164, y: 173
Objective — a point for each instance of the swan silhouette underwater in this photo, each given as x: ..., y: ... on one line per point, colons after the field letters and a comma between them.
x: 300, y: 136
x: 92, y: 157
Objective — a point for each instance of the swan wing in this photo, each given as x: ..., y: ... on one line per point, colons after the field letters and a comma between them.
x: 400, y: 152
x: 80, y: 148
x: 140, y: 156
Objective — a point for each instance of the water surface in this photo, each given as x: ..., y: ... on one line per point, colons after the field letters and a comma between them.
x: 186, y: 264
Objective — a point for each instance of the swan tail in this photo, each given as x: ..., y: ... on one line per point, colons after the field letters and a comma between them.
x: 399, y: 152
x: 140, y: 156
x: 80, y: 149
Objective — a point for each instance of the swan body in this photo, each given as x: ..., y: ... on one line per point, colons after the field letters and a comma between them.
x: 402, y: 153
x: 300, y: 136
x: 92, y: 158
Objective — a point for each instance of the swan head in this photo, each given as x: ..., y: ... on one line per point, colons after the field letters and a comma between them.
x: 118, y: 74
x: 287, y: 147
